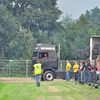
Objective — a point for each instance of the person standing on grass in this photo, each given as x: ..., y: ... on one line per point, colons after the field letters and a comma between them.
x: 83, y: 71
x: 98, y: 69
x: 89, y: 69
x: 68, y: 66
x: 75, y: 67
x: 38, y: 70
x: 79, y: 71
x: 93, y: 70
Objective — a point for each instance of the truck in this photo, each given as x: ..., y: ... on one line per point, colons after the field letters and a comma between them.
x: 49, y: 58
x: 93, y: 41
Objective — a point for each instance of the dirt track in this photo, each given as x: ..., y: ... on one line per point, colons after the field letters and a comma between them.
x: 10, y: 79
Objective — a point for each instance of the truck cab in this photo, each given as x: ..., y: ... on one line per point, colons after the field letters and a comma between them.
x: 47, y: 54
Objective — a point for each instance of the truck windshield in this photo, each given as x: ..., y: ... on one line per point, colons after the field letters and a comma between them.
x: 34, y: 54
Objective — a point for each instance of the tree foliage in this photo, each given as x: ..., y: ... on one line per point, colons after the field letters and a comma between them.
x: 24, y: 23
x: 76, y: 35
x: 94, y: 15
x: 8, y: 30
x: 35, y: 14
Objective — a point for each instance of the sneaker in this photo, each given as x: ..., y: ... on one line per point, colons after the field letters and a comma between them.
x: 38, y: 84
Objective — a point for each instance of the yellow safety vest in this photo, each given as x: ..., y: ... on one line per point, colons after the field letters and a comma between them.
x: 38, y: 69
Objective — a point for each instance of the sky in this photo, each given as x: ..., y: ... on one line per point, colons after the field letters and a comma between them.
x: 76, y: 7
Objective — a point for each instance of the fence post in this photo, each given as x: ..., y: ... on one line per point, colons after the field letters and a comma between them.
x: 26, y: 68
x: 61, y: 65
x: 9, y: 67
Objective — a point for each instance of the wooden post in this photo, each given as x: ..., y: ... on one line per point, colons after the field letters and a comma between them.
x: 59, y: 56
x: 99, y: 53
x: 26, y: 68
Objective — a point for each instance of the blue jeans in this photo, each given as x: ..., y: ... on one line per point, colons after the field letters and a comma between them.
x: 76, y: 76
x: 38, y: 79
x: 84, y: 76
x: 97, y: 77
x: 89, y: 75
x: 79, y: 76
x: 67, y: 75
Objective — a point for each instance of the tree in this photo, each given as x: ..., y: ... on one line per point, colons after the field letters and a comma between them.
x: 69, y: 32
x: 87, y: 28
x: 76, y: 35
x: 22, y: 45
x: 8, y: 29
x: 35, y: 14
x: 94, y: 15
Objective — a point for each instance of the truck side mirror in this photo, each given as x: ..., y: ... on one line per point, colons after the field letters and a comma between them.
x: 40, y: 56
x: 87, y: 51
x: 79, y: 53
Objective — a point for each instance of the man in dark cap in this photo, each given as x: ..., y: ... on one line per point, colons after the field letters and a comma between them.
x: 38, y: 71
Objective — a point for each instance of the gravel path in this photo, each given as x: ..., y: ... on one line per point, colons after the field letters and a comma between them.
x: 11, y: 79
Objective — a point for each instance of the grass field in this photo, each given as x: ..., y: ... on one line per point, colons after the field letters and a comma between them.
x: 54, y: 90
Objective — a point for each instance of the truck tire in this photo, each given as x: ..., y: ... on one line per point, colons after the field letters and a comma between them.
x: 48, y: 76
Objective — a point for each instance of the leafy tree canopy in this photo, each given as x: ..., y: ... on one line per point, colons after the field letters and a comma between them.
x: 94, y: 15
x: 8, y: 29
x: 36, y: 14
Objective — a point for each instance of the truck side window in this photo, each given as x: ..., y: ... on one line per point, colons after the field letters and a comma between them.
x: 43, y: 55
x: 35, y: 54
x: 52, y: 56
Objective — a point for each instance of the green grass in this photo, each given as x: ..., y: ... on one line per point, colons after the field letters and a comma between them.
x: 48, y: 91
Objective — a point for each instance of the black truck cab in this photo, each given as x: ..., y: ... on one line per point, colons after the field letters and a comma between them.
x: 47, y: 54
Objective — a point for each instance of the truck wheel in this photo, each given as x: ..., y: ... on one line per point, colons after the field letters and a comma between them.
x: 48, y: 76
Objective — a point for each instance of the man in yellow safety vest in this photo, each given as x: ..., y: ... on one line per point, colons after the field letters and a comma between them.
x: 37, y: 72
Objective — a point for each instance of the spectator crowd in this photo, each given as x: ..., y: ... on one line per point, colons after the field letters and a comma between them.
x: 84, y: 71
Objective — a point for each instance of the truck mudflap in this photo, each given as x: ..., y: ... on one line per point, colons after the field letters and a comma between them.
x: 62, y: 75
